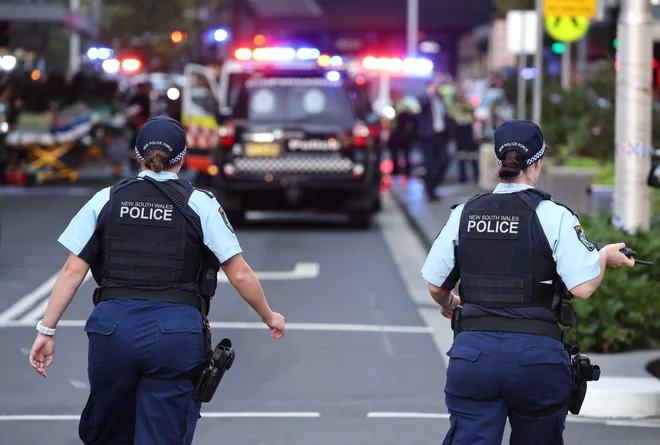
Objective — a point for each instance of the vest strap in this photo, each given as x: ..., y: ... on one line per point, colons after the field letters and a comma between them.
x: 505, y: 324
x: 168, y: 296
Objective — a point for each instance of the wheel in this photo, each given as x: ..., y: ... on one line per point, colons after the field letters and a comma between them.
x: 360, y: 220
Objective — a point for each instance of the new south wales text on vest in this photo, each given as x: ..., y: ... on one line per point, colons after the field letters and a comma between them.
x: 505, y: 224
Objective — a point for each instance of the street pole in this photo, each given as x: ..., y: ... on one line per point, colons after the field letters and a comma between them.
x: 413, y: 26
x: 522, y: 64
x: 566, y: 70
x: 74, y: 42
x: 538, y: 66
x: 581, y: 59
x: 633, y: 117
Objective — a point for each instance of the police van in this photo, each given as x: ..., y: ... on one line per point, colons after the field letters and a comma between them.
x: 296, y: 130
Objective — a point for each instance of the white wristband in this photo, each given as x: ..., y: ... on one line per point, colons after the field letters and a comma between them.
x: 44, y: 330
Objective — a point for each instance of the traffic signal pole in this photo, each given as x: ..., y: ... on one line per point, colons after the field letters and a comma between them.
x: 74, y: 42
x: 633, y: 117
x: 412, y: 27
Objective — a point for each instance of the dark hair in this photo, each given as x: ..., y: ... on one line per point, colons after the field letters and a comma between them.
x: 512, y: 164
x: 156, y: 160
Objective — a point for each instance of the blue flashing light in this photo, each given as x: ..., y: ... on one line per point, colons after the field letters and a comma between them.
x: 528, y: 73
x: 220, y: 35
x: 336, y: 61
x: 105, y: 53
x: 93, y: 53
x: 308, y: 54
x: 333, y: 76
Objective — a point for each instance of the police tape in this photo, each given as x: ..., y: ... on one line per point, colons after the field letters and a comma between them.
x: 635, y: 149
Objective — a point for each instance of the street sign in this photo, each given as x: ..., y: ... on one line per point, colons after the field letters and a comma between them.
x: 566, y: 29
x: 570, y: 8
x: 521, y: 28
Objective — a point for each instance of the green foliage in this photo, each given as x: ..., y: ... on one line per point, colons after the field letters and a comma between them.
x: 624, y: 313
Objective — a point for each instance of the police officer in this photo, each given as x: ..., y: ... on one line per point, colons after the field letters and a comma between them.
x: 148, y: 330
x: 508, y: 249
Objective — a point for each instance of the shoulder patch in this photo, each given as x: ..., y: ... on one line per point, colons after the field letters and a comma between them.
x: 582, y: 237
x: 225, y: 219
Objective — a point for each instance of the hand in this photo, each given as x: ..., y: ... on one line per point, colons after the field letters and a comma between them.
x: 42, y: 353
x: 276, y: 323
x: 448, y: 312
x: 616, y: 258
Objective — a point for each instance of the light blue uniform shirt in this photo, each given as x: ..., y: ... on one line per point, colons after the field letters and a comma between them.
x: 217, y: 236
x: 576, y: 264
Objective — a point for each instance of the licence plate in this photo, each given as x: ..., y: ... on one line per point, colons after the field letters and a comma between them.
x: 255, y: 149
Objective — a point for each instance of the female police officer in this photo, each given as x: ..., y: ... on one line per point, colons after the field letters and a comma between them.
x: 508, y: 249
x: 147, y: 329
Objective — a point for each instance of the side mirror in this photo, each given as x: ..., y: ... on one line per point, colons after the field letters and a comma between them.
x: 654, y: 176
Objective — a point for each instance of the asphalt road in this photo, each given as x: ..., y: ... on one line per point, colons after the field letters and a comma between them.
x: 357, y: 366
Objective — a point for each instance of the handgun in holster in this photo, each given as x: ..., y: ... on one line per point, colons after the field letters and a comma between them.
x: 221, y: 360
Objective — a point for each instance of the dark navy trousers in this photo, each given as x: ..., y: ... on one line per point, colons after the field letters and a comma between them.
x: 134, y: 344
x: 493, y: 376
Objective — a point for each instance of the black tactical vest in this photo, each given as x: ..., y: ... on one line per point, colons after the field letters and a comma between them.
x: 507, y: 272
x: 147, y: 245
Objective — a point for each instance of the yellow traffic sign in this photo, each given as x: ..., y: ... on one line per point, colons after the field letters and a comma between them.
x: 570, y: 8
x: 566, y: 29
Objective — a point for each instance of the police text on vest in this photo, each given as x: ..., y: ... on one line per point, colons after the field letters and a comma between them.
x: 493, y: 224
x: 146, y: 211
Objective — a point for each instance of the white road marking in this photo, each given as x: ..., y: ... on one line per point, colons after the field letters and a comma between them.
x: 25, y: 351
x: 409, y: 255
x: 37, y: 313
x: 301, y: 271
x: 211, y: 415
x: 29, y: 300
x: 570, y: 418
x: 78, y: 384
x: 323, y: 327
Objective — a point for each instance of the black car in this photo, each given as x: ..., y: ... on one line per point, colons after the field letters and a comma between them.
x: 299, y: 143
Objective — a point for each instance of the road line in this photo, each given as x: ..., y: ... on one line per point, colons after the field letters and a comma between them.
x: 29, y: 300
x: 78, y: 384
x: 37, y: 313
x: 570, y: 419
x: 323, y: 327
x: 301, y: 271
x: 211, y: 415
x: 395, y: 415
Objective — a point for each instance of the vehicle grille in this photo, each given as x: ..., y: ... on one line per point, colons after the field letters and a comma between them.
x: 294, y: 165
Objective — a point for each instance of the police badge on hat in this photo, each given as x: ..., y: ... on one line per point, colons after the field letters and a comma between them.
x: 583, y: 238
x: 225, y: 219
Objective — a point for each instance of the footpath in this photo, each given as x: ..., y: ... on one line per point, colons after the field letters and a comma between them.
x: 626, y: 390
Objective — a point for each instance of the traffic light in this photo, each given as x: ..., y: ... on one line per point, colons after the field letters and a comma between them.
x: 615, y: 44
x: 613, y: 23
x: 558, y: 48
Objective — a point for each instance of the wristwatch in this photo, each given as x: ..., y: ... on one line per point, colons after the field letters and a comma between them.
x: 44, y: 330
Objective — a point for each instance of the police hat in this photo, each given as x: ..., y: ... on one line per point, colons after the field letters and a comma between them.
x: 525, y: 137
x: 162, y: 133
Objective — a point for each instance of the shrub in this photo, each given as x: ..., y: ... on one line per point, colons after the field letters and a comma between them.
x: 624, y: 313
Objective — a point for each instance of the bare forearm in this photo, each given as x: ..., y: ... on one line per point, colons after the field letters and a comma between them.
x: 249, y: 287
x: 65, y: 288
x: 441, y: 296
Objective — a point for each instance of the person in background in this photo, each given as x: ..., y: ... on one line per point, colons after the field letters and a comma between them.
x: 401, y: 137
x: 433, y: 133
x: 462, y: 114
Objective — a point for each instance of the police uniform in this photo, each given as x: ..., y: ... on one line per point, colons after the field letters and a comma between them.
x: 509, y: 249
x: 147, y: 333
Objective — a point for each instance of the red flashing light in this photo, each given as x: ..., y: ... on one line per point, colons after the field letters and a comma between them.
x: 360, y: 80
x: 227, y: 133
x: 130, y: 65
x: 361, y: 135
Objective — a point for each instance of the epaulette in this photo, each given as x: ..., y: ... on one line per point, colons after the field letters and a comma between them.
x: 206, y: 192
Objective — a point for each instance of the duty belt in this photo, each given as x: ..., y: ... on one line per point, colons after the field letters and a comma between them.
x: 505, y: 324
x: 175, y: 296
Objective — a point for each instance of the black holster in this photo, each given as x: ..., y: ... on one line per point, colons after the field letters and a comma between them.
x: 214, y: 369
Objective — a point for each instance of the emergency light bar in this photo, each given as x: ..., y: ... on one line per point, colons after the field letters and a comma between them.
x: 396, y: 65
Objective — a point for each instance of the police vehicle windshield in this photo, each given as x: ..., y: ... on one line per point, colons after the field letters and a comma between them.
x: 310, y: 100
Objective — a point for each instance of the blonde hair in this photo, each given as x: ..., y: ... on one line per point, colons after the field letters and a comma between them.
x: 156, y: 160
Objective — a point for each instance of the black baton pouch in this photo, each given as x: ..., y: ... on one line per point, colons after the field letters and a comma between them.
x: 221, y: 360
